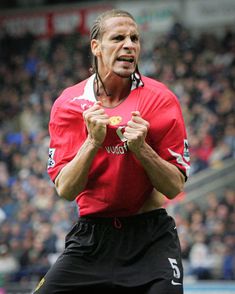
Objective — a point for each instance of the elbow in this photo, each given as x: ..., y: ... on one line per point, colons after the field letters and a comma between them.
x: 176, y: 189
x: 175, y: 192
x: 65, y: 192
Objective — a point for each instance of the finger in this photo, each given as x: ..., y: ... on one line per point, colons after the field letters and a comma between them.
x: 130, y: 131
x: 95, y: 106
x: 135, y: 116
x: 138, y: 124
x: 134, y: 125
x: 131, y: 137
x: 94, y: 112
x: 101, y: 119
x: 140, y: 121
x: 135, y: 113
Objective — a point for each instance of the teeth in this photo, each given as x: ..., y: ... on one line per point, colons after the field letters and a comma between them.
x: 126, y: 59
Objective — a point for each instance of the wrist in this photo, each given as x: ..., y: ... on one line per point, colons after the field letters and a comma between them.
x: 141, y: 150
x: 94, y: 143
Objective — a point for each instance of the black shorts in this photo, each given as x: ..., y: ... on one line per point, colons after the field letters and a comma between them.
x: 136, y: 254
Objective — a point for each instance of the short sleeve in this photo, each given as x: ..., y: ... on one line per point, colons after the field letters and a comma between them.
x: 67, y: 134
x: 169, y: 134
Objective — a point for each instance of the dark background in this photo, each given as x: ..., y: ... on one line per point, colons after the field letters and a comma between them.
x: 15, y: 4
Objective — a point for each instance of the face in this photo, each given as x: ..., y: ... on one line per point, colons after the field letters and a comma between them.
x: 119, y: 48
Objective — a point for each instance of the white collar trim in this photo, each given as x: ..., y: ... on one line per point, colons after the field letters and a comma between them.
x: 89, y: 87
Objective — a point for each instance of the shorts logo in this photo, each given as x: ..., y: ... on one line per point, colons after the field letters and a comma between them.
x: 176, y: 271
x: 39, y: 284
x: 51, y: 161
x: 175, y: 283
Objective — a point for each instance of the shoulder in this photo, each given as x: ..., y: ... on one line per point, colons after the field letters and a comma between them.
x: 71, y: 98
x: 70, y: 93
x: 153, y: 84
x: 65, y: 107
x: 155, y: 89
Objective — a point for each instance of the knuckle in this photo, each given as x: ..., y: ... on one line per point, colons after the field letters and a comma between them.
x: 92, y: 119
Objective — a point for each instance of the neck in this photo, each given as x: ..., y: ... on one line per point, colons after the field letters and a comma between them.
x: 112, y: 91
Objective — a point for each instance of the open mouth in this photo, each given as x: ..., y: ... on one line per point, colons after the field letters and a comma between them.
x: 126, y: 59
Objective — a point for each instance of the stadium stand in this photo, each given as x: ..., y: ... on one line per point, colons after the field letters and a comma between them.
x: 34, y: 221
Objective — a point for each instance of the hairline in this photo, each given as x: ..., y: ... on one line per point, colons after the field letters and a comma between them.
x: 107, y: 15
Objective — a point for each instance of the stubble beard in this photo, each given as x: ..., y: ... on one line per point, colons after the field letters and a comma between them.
x: 124, y: 74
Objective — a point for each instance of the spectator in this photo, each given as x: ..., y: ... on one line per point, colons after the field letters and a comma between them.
x: 200, y: 259
x: 199, y: 69
x: 8, y: 263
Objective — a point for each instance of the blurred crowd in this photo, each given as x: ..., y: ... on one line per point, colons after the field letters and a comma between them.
x: 207, y: 237
x: 34, y: 220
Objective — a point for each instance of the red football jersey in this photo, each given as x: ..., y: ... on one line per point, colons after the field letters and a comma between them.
x: 117, y: 184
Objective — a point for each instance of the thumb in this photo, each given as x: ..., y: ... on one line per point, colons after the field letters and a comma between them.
x: 135, y: 113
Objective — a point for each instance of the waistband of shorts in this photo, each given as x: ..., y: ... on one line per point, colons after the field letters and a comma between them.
x: 124, y: 219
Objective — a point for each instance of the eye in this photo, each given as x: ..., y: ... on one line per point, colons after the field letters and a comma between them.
x: 118, y: 38
x: 134, y: 38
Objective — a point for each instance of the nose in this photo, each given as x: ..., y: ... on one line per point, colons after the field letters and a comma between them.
x: 128, y: 44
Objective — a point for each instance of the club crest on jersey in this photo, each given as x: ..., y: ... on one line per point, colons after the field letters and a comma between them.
x: 115, y: 120
x: 51, y: 161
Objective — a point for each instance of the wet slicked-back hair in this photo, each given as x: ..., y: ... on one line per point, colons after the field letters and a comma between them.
x: 97, y: 31
x: 97, y: 28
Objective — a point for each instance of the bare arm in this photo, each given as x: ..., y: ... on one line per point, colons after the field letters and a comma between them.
x: 73, y: 177
x: 165, y: 177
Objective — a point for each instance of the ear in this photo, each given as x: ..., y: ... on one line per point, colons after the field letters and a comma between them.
x: 95, y: 47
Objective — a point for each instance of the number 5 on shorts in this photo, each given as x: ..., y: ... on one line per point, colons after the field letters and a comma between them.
x: 176, y: 271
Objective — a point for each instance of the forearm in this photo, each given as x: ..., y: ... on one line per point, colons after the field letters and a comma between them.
x: 73, y: 177
x: 164, y: 176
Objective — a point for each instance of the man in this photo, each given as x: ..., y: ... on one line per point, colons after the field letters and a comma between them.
x: 118, y: 144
